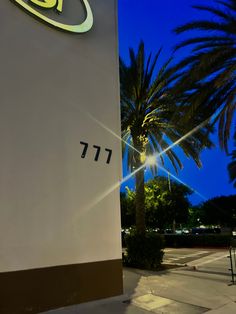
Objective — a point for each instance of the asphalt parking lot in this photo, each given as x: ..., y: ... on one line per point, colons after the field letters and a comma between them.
x: 207, y: 260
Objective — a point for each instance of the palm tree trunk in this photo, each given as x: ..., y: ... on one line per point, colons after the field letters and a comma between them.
x: 139, y: 183
x: 140, y: 202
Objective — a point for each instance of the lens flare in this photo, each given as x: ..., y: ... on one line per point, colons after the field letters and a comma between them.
x: 150, y: 160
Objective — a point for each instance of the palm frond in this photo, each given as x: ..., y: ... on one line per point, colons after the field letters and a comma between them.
x: 204, y: 25
x: 210, y: 71
x: 215, y: 11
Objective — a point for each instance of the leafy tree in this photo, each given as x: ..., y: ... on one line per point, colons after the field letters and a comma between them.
x: 210, y: 70
x: 194, y: 216
x: 152, y: 119
x: 165, y: 201
x: 219, y: 211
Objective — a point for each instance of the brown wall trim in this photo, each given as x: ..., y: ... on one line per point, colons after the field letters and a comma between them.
x: 36, y: 290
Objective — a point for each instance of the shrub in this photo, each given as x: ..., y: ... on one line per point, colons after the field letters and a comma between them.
x: 144, y: 251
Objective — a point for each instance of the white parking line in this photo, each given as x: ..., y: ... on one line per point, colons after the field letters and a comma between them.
x: 208, y: 259
x: 189, y: 255
x: 171, y: 259
x: 194, y: 254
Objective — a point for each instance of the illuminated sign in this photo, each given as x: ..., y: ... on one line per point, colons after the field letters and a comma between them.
x: 58, y: 6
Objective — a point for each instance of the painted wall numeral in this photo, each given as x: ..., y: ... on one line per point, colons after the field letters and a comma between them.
x: 98, y: 149
x: 96, y: 152
x: 84, y: 150
x: 109, y: 155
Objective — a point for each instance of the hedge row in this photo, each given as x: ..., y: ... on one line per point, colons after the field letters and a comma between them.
x: 201, y: 240
x: 144, y: 251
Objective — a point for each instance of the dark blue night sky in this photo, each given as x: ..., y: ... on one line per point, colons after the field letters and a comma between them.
x: 153, y: 21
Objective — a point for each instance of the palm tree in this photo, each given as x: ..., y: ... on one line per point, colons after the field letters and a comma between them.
x: 232, y: 165
x: 210, y: 70
x: 152, y: 118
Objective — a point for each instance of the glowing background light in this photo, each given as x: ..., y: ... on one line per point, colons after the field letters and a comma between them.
x: 151, y: 160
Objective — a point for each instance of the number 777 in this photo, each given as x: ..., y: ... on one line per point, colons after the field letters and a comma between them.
x: 97, y: 153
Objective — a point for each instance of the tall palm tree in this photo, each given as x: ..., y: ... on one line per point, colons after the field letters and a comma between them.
x: 152, y: 118
x: 210, y: 71
x: 232, y: 165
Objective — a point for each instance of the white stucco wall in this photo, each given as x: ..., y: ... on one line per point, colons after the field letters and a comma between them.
x: 51, y: 84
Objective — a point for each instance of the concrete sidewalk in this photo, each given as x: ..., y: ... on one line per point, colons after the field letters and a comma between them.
x: 177, y: 291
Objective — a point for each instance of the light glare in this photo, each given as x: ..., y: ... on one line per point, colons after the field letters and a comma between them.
x: 151, y: 160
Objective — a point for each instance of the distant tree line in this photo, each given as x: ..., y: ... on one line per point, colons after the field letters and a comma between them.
x: 216, y: 211
x: 166, y: 202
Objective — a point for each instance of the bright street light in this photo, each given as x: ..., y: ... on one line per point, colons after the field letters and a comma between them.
x: 151, y: 160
